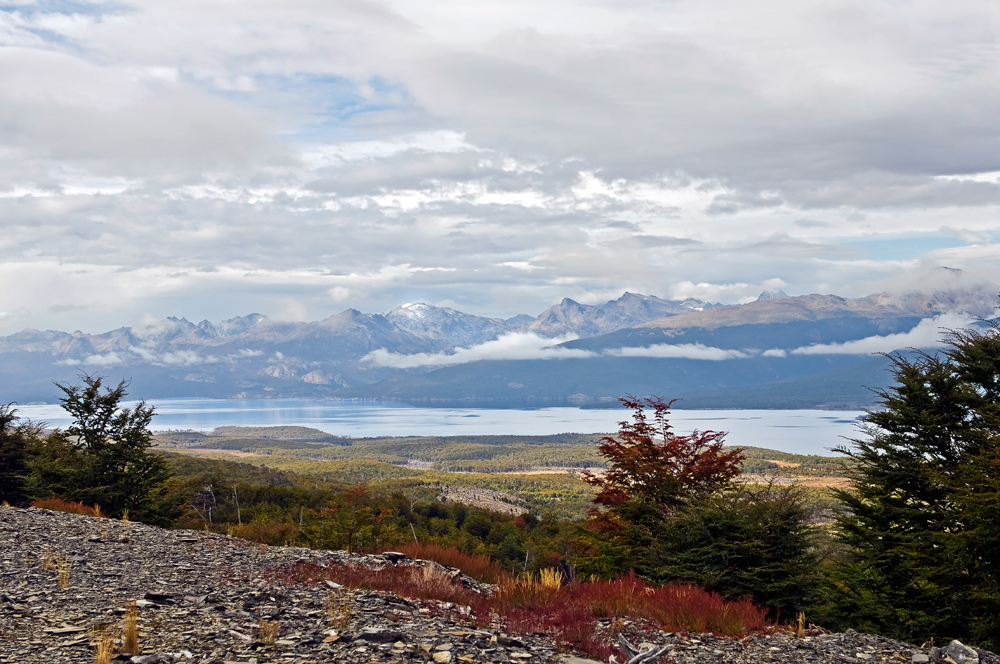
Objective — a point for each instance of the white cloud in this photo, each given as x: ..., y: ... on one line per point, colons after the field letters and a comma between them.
x: 174, y: 157
x: 516, y: 346
x: 104, y: 360
x: 528, y: 346
x: 926, y: 334
x: 680, y: 351
x: 710, y: 292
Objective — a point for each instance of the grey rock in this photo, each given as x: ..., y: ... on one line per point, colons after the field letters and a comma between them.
x: 961, y: 653
x: 394, y: 556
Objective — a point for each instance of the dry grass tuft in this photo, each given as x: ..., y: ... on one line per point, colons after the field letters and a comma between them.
x: 104, y: 648
x: 550, y: 577
x: 48, y: 558
x: 801, y: 631
x: 98, y: 512
x: 339, y: 608
x: 130, y: 635
x: 125, y: 517
x: 268, y: 631
x: 63, y: 568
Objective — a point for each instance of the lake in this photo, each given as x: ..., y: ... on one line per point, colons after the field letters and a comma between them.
x: 797, y: 431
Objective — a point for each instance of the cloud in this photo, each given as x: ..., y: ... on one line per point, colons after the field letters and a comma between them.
x: 926, y: 334
x: 104, y: 360
x: 211, y: 159
x: 680, y: 351
x: 515, y: 346
x: 528, y: 346
x: 173, y: 358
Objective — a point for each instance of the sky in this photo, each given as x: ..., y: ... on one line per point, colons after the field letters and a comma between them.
x: 214, y: 158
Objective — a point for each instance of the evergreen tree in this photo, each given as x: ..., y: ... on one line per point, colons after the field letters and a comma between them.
x: 15, y: 438
x: 920, y: 521
x: 111, y: 464
x: 745, y: 541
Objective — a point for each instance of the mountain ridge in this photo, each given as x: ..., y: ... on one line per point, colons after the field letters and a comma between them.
x: 404, y: 354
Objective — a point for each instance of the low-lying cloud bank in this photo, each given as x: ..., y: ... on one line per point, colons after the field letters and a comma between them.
x: 679, y: 351
x: 926, y: 334
x: 516, y: 346
x: 526, y: 346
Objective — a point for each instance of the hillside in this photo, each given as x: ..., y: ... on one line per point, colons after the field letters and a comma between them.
x: 209, y: 599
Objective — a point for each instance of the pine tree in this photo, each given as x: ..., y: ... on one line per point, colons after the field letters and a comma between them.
x: 920, y: 521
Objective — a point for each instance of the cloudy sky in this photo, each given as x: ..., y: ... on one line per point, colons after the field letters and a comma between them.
x: 212, y: 158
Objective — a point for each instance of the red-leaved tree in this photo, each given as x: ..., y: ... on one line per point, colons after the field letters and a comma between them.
x: 651, y: 472
x: 647, y: 461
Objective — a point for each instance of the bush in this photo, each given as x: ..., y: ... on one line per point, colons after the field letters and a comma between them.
x: 744, y: 542
x: 479, y: 567
x: 68, y: 506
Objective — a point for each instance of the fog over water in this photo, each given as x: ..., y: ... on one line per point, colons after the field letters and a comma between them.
x: 797, y: 431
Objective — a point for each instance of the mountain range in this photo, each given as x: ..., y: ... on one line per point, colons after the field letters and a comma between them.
x: 810, y: 351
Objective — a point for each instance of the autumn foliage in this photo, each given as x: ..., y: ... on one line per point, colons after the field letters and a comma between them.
x: 651, y: 467
x: 569, y: 614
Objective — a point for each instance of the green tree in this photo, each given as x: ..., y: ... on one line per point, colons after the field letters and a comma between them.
x: 921, y: 518
x: 16, y: 438
x: 744, y: 541
x: 106, y: 450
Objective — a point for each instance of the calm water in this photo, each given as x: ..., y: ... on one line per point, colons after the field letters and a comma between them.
x: 798, y: 431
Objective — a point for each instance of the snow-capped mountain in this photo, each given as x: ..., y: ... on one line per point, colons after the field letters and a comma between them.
x: 635, y: 340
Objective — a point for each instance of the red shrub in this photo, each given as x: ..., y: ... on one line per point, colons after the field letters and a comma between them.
x: 568, y: 614
x: 403, y: 580
x: 480, y: 568
x: 675, y: 606
x: 71, y: 507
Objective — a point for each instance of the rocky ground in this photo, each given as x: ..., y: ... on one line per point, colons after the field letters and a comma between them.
x: 206, y: 598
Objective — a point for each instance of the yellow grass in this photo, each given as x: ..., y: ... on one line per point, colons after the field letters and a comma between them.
x: 338, y: 608
x: 550, y: 577
x: 104, y: 648
x: 63, y: 568
x: 268, y: 631
x: 130, y: 636
x: 48, y: 558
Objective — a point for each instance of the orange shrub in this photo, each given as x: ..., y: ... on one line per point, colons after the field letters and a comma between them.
x: 479, y: 567
x: 71, y: 507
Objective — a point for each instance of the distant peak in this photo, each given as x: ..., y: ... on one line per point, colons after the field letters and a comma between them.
x: 772, y: 295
